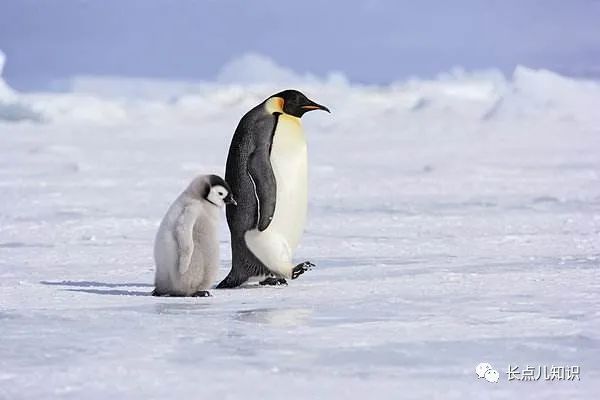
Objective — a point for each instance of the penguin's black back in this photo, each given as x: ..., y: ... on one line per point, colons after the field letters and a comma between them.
x: 255, y: 129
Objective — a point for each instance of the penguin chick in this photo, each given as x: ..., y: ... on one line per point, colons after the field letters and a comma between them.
x: 186, y: 248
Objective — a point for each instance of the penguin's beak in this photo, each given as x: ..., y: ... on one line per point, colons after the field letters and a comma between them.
x: 230, y: 200
x: 314, y: 106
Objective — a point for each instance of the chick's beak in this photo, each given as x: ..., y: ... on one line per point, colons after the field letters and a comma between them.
x: 230, y: 200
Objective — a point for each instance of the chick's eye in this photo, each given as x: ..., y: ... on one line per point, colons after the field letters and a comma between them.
x: 220, y: 193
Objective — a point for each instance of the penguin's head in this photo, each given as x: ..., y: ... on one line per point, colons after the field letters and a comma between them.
x: 219, y: 192
x: 292, y: 102
x: 213, y: 189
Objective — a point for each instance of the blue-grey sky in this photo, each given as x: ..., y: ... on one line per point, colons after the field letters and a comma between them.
x: 372, y: 41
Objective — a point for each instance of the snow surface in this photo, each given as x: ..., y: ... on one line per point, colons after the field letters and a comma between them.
x: 453, y: 221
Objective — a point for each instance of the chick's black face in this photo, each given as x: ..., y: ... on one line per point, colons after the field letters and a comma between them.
x: 296, y: 103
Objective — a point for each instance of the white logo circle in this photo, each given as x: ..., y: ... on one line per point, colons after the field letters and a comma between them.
x: 481, y: 369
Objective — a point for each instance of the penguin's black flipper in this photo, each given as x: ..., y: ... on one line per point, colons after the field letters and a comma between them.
x: 263, y: 178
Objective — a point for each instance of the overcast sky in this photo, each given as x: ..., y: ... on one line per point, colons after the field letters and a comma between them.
x: 374, y: 41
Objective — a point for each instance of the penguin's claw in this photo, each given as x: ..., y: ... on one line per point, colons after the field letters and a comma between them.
x: 272, y: 281
x: 301, y: 268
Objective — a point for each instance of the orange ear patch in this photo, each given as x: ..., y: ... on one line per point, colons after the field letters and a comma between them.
x: 280, y: 103
x: 275, y: 104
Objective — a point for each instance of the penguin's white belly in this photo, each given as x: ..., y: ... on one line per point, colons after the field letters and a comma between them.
x: 276, y: 244
x: 289, y: 162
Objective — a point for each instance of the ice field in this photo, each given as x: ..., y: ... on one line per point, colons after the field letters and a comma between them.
x: 452, y: 221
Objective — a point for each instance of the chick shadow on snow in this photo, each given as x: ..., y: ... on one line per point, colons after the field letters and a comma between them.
x: 108, y: 288
x: 94, y: 284
x: 111, y: 292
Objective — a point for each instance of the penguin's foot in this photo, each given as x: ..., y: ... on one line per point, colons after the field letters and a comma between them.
x: 232, y: 281
x: 301, y: 268
x: 272, y: 281
x: 201, y: 293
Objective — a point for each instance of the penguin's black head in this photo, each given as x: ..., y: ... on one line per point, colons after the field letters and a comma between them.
x: 218, y: 191
x: 295, y: 103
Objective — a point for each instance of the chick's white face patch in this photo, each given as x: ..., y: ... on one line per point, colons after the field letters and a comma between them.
x: 217, y: 194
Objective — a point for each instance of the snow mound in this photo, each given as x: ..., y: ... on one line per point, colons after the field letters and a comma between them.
x: 15, y: 111
x: 545, y: 92
x: 12, y: 109
x: 459, y: 100
x: 253, y: 68
x: 6, y: 93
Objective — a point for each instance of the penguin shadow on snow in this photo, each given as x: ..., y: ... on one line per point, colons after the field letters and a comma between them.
x: 102, y: 288
x: 282, y: 317
x: 180, y: 308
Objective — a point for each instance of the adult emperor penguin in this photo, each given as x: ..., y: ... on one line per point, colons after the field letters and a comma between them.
x: 267, y: 171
